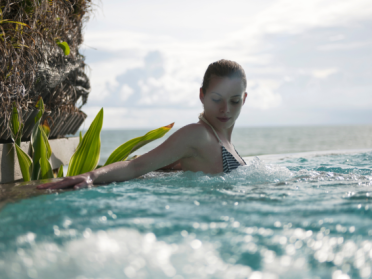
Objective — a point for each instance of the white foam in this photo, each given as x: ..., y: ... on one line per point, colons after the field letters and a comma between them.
x: 123, y: 253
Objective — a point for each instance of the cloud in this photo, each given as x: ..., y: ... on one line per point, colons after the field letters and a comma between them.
x: 346, y: 46
x: 306, y: 55
x: 133, y: 118
x: 262, y: 94
x: 324, y: 73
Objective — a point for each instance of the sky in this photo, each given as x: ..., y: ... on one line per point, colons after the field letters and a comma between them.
x: 307, y: 62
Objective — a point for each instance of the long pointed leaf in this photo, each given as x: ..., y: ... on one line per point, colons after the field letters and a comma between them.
x: 87, y: 154
x: 46, y: 170
x: 123, y: 151
x: 60, y: 171
x: 16, y: 126
x: 25, y: 163
x: 47, y: 145
x: 46, y: 128
x: 41, y: 107
x: 41, y: 167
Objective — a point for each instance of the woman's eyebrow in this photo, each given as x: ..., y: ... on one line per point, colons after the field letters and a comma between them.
x: 238, y: 95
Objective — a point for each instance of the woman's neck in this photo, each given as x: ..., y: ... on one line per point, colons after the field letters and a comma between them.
x: 224, y: 133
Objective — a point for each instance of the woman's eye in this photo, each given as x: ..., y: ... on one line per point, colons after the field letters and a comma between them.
x: 235, y: 102
x: 215, y: 100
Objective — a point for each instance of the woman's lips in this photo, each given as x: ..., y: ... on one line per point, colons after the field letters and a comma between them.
x: 224, y: 119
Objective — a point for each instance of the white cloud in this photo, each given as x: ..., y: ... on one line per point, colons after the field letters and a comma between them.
x: 324, y: 73
x: 285, y: 46
x: 125, y: 92
x: 345, y: 46
x: 120, y: 118
x: 338, y: 37
x: 288, y: 16
x: 262, y: 94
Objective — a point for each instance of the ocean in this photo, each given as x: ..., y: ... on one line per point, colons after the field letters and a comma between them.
x: 253, y: 141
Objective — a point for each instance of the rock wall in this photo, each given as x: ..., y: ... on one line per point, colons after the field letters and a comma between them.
x: 33, y: 63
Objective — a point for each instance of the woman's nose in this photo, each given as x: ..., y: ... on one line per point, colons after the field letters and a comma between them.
x: 224, y: 107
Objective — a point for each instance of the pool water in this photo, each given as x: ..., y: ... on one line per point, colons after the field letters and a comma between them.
x: 300, y: 217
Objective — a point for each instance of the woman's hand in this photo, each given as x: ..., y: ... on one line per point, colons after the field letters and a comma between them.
x: 79, y: 181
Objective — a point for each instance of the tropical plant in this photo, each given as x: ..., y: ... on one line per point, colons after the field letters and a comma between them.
x: 37, y: 167
x: 87, y: 154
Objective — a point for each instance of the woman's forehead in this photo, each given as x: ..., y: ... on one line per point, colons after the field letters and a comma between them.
x: 226, y: 85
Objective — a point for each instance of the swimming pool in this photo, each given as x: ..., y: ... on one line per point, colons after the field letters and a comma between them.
x: 297, y: 217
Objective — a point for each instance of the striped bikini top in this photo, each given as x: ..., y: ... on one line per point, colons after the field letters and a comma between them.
x: 228, y: 160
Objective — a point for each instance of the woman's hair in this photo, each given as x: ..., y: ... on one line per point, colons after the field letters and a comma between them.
x: 223, y: 68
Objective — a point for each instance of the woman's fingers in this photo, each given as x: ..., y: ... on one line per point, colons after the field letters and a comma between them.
x: 45, y: 185
x: 88, y: 182
x: 83, y: 184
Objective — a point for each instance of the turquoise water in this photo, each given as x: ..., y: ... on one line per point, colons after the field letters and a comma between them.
x: 307, y: 217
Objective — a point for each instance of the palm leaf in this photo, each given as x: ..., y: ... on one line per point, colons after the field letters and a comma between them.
x: 25, y: 163
x: 41, y: 167
x: 16, y: 126
x: 123, y: 151
x: 87, y: 153
x: 41, y: 107
x: 60, y: 171
x: 46, y: 128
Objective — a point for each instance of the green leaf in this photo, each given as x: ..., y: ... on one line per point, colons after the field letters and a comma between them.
x: 41, y: 167
x: 60, y: 171
x: 47, y: 145
x: 64, y: 46
x: 46, y: 170
x: 16, y: 127
x: 80, y: 137
x: 41, y: 107
x: 43, y: 129
x: 46, y: 128
x: 123, y: 151
x: 87, y: 153
x: 25, y: 163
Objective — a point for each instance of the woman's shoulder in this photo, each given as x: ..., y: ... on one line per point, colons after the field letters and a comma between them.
x: 194, y: 132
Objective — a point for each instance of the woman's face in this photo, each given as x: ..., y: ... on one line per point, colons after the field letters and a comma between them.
x: 223, y: 100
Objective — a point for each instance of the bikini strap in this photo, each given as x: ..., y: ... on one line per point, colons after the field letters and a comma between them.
x: 201, y: 117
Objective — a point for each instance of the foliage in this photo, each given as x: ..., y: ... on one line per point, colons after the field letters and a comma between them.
x: 64, y: 46
x: 34, y: 33
x: 86, y: 156
x: 123, y: 151
x: 87, y: 153
x: 37, y: 167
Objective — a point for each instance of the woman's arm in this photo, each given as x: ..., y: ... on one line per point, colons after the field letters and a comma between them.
x: 174, y: 166
x: 177, y: 146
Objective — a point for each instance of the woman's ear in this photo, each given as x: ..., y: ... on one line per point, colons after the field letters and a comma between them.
x: 245, y: 97
x: 201, y: 95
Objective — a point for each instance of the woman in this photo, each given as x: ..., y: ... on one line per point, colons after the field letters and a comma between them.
x: 204, y: 146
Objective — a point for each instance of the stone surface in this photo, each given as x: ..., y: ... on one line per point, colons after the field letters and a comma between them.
x: 62, y: 150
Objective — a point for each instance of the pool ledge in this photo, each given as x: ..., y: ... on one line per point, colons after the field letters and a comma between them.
x: 62, y: 150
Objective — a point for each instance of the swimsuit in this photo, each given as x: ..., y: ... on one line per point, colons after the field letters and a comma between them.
x: 228, y: 160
